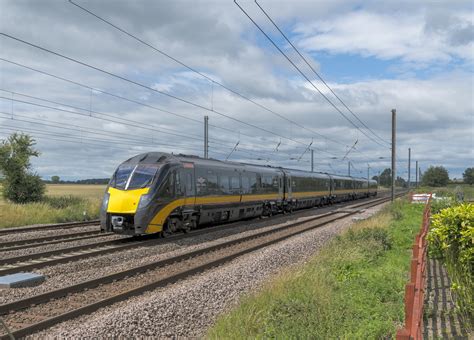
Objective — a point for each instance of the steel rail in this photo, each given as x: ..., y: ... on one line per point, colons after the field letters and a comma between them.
x: 21, y: 304
x: 52, y: 257
x: 40, y: 241
x: 67, y: 225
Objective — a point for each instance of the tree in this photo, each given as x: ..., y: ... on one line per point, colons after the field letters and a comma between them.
x: 55, y: 179
x: 386, y: 178
x: 468, y: 176
x: 400, y: 182
x: 435, y: 176
x: 20, y: 184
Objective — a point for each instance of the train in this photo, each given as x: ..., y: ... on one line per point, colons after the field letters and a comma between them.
x: 164, y: 193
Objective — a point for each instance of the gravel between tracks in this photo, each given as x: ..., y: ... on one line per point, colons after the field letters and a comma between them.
x: 189, y: 307
x: 62, y: 275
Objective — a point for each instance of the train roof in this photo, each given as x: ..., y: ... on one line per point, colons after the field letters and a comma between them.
x: 163, y: 157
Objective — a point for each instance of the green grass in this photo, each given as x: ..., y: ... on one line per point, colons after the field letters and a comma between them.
x: 353, y: 288
x: 63, y: 203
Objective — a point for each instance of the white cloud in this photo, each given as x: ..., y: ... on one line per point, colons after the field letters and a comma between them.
x: 413, y: 37
x: 435, y: 113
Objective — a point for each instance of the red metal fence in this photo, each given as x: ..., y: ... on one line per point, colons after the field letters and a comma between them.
x: 415, y: 289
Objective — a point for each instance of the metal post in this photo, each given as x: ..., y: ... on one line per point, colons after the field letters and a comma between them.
x: 349, y: 168
x: 409, y: 166
x: 312, y: 160
x: 416, y: 175
x: 206, y: 137
x: 368, y: 172
x: 394, y: 170
x: 420, y: 177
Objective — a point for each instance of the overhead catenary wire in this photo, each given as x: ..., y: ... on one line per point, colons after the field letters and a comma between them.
x: 151, y: 89
x: 90, y: 88
x: 126, y: 123
x: 318, y: 75
x: 306, y: 77
x: 192, y: 69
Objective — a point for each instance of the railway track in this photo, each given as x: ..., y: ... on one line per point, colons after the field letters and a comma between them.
x: 52, y: 257
x: 68, y: 225
x: 30, y: 315
x: 48, y: 240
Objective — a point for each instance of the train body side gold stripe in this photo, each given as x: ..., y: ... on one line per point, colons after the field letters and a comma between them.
x: 156, y: 224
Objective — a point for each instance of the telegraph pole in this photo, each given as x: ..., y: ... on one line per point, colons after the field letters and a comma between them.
x: 394, y: 172
x: 206, y: 137
x: 368, y: 172
x: 349, y: 168
x: 416, y: 174
x: 312, y: 160
x: 409, y: 165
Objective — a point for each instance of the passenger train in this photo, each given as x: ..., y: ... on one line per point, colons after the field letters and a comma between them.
x: 164, y: 193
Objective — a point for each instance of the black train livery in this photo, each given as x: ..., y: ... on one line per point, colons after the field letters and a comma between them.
x: 163, y: 193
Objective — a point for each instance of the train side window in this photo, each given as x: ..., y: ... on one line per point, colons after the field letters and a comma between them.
x: 212, y: 185
x: 246, y: 188
x: 177, y: 185
x: 253, y: 184
x: 224, y: 184
x: 234, y: 183
x: 189, y: 184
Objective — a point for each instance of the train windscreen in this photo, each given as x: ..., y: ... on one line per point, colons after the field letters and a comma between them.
x: 129, y: 177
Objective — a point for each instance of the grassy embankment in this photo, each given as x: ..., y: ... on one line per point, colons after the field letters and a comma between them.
x: 63, y: 203
x: 353, y: 288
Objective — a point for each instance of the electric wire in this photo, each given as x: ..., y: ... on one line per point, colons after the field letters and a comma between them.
x: 149, y: 88
x: 304, y: 76
x: 318, y: 75
x: 213, y: 81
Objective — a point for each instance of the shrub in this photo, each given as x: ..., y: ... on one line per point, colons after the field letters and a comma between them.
x: 23, y: 188
x: 21, y: 185
x: 451, y: 238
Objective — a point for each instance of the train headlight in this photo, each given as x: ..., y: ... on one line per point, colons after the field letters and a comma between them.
x: 105, y: 201
x: 144, y: 201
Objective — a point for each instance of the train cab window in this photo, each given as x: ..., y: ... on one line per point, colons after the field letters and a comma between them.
x: 129, y: 177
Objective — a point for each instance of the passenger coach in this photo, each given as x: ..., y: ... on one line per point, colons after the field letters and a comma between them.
x: 164, y: 193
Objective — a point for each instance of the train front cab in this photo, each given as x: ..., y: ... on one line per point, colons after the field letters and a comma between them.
x: 138, y: 195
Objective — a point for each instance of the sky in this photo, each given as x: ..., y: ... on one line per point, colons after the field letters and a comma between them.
x: 103, y: 96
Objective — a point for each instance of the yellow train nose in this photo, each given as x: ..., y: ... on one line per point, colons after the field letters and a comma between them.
x: 124, y: 201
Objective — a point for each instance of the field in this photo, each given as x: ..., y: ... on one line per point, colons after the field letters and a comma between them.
x: 63, y: 203
x: 450, y: 190
x: 353, y: 288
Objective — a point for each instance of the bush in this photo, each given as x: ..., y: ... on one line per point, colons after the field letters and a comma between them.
x: 451, y: 239
x: 24, y: 188
x: 21, y: 184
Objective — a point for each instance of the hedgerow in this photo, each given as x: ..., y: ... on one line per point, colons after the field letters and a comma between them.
x: 451, y: 238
